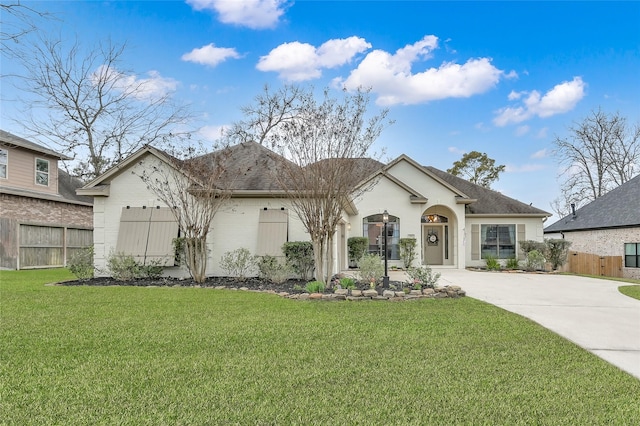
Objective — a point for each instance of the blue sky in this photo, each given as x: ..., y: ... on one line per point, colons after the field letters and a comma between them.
x: 503, y: 77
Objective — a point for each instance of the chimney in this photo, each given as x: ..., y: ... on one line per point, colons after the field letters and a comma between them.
x: 573, y: 210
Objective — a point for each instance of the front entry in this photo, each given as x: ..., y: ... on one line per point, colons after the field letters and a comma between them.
x: 433, y: 243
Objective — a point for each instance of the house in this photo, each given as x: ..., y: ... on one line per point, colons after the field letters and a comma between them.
x: 456, y: 223
x: 42, y: 219
x: 607, y: 226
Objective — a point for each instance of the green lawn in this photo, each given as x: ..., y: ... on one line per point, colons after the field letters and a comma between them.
x: 165, y: 356
x: 630, y: 290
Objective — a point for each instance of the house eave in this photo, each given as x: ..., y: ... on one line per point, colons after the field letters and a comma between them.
x: 503, y: 215
x: 41, y: 196
x: 96, y: 191
x: 460, y: 200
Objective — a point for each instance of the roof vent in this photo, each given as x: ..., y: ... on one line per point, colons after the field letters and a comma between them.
x: 573, y: 210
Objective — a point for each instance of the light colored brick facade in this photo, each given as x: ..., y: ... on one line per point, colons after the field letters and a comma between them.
x: 606, y: 242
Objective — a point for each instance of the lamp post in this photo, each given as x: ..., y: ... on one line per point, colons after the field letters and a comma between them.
x: 385, y: 221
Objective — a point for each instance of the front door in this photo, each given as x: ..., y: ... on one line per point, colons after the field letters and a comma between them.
x: 432, y: 244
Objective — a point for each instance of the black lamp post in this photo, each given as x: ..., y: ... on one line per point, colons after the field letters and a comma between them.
x: 385, y: 221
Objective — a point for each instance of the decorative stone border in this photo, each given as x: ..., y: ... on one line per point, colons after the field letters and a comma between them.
x: 453, y: 291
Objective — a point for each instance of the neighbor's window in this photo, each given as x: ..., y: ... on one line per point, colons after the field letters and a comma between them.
x: 4, y: 157
x: 498, y: 241
x: 632, y: 255
x: 373, y: 229
x: 42, y: 172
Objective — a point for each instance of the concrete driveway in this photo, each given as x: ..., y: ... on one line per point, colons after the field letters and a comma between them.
x: 590, y: 312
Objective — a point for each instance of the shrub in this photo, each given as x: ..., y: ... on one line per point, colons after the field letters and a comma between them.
x: 299, y: 255
x: 530, y: 245
x: 513, y: 263
x: 408, y: 251
x: 357, y: 248
x: 315, y: 287
x: 239, y: 263
x: 153, y: 269
x: 123, y: 267
x: 81, y: 264
x: 535, y: 261
x: 274, y: 269
x: 348, y: 283
x: 371, y: 269
x: 422, y: 277
x: 557, y: 251
x: 492, y: 263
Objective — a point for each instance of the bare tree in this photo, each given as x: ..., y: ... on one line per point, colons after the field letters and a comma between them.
x: 478, y: 168
x: 195, y: 187
x: 89, y: 109
x: 18, y: 20
x: 320, y: 138
x: 600, y: 153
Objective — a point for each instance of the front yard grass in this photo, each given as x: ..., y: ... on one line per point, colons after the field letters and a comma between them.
x: 131, y: 355
x: 630, y: 290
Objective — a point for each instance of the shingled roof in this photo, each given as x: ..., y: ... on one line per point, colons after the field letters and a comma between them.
x: 617, y: 208
x: 9, y: 139
x: 488, y: 201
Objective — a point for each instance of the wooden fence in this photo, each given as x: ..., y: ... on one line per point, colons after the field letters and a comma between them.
x: 50, y: 246
x: 593, y: 264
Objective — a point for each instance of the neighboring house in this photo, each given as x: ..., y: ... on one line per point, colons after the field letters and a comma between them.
x: 42, y: 220
x: 607, y: 226
x: 456, y: 223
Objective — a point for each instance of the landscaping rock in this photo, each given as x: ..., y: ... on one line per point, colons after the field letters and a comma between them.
x: 388, y: 293
x: 370, y: 293
x: 356, y: 293
x: 314, y: 296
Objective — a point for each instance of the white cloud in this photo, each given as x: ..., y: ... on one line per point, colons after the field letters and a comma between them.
x: 542, y: 133
x: 153, y: 87
x: 390, y: 76
x: 525, y: 168
x: 456, y: 150
x: 539, y: 154
x: 212, y: 133
x: 210, y: 55
x: 562, y: 98
x: 522, y: 130
x: 256, y: 14
x: 297, y: 61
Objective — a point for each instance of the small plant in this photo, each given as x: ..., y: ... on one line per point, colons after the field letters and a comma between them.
x: 530, y: 245
x: 81, y: 264
x: 422, y: 277
x: 357, y: 248
x: 299, y: 255
x: 153, y: 269
x: 535, y: 261
x: 492, y: 263
x: 557, y: 251
x: 348, y: 283
x: 371, y: 269
x: 123, y: 267
x: 408, y: 251
x: 512, y: 263
x: 273, y: 269
x: 298, y: 287
x: 239, y: 263
x: 315, y: 287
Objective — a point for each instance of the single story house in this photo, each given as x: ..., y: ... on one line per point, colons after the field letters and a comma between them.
x: 456, y: 223
x: 42, y: 219
x: 607, y: 226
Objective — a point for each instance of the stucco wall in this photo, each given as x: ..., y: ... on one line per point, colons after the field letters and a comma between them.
x: 533, y: 231
x: 234, y: 226
x: 605, y: 242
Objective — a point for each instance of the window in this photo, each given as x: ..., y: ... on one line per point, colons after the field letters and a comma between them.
x: 4, y: 157
x: 272, y: 231
x: 147, y: 234
x: 498, y: 241
x: 373, y: 230
x: 632, y: 255
x: 42, y: 172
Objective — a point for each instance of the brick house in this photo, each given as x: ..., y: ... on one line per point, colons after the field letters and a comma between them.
x: 42, y: 220
x: 608, y: 226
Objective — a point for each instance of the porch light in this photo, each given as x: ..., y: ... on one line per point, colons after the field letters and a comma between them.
x: 385, y: 221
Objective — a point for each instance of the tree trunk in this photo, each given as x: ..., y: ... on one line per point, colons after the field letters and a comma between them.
x: 318, y: 256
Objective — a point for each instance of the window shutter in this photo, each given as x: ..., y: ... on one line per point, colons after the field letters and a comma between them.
x: 272, y: 232
x: 475, y: 242
x: 521, y: 237
x: 147, y: 234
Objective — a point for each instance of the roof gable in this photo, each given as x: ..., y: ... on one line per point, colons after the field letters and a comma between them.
x: 11, y: 140
x: 619, y: 207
